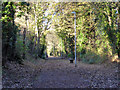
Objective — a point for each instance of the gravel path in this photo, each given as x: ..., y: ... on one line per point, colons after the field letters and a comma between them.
x: 59, y: 73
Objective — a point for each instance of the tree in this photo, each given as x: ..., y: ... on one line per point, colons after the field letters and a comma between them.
x: 9, y: 31
x: 118, y: 33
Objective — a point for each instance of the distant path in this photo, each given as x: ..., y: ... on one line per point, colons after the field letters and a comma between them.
x: 59, y: 73
x: 54, y: 58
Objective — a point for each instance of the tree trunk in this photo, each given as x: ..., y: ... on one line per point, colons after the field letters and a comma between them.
x: 37, y: 37
x: 118, y: 31
x: 119, y: 53
x: 38, y: 44
x: 14, y: 32
x: 65, y: 43
x: 35, y: 46
x: 24, y: 36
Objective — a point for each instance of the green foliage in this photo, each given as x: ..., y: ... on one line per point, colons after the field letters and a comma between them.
x: 93, y: 58
x: 70, y: 55
x: 97, y: 32
x: 19, y: 45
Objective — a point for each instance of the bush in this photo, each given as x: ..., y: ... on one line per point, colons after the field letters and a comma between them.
x: 70, y: 55
x: 93, y: 58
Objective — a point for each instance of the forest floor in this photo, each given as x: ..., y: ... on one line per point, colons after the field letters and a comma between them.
x: 60, y: 73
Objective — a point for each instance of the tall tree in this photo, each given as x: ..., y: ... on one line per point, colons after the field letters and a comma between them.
x: 9, y: 34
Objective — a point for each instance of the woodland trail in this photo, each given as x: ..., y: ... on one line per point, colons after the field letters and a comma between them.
x: 60, y: 73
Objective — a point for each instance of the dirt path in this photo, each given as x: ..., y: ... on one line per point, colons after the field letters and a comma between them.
x: 59, y: 73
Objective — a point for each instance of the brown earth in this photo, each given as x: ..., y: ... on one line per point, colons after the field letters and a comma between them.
x: 60, y: 73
